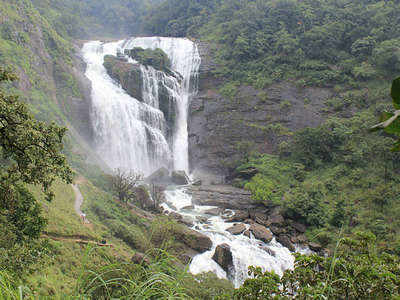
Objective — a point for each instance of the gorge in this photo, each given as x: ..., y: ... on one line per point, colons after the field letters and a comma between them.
x: 140, y: 122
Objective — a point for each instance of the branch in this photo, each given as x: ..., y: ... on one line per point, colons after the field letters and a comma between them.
x: 387, y: 123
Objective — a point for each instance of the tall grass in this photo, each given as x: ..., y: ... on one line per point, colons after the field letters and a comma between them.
x: 161, y: 279
x: 9, y: 289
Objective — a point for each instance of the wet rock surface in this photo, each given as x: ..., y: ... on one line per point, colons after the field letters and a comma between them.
x: 224, y: 196
x: 193, y: 239
x: 237, y: 229
x: 261, y: 233
x: 223, y: 257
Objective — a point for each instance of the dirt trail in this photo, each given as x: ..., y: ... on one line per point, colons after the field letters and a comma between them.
x: 78, y: 203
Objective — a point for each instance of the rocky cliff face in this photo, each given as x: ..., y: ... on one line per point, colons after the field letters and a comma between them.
x: 219, y: 126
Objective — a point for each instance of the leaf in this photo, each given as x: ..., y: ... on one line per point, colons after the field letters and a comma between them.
x: 396, y: 147
x: 395, y: 93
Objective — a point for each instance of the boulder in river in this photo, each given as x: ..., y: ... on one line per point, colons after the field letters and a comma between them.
x: 285, y: 241
x: 239, y: 216
x: 237, y: 229
x: 223, y: 257
x: 247, y: 233
x: 180, y: 178
x: 276, y: 219
x: 269, y: 251
x: 299, y: 227
x: 193, y: 239
x: 261, y: 233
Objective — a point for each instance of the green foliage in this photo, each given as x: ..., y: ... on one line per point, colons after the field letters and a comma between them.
x: 155, y: 58
x: 356, y: 271
x: 259, y: 41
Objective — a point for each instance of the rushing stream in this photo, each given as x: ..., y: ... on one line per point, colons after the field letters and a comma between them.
x: 132, y: 135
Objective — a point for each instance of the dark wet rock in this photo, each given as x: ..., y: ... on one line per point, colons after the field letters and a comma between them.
x: 224, y: 196
x: 315, y: 247
x: 277, y: 230
x: 261, y: 233
x: 202, y: 219
x: 128, y: 75
x: 285, y: 241
x: 193, y: 239
x: 140, y: 258
x: 214, y: 211
x: 189, y: 207
x: 237, y: 229
x: 260, y: 218
x: 161, y: 176
x: 300, y: 239
x: 276, y: 220
x: 239, y: 216
x: 223, y: 257
x: 269, y: 251
x: 249, y: 221
x: 179, y: 178
x: 299, y: 227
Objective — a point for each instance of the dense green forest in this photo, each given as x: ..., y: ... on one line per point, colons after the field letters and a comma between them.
x: 339, y: 179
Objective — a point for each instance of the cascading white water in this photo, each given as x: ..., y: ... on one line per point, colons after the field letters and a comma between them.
x: 133, y: 135
x: 130, y: 134
x: 185, y: 60
x: 246, y: 251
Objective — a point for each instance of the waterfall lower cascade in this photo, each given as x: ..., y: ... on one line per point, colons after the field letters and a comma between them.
x: 134, y: 135
x: 130, y: 134
x: 246, y: 251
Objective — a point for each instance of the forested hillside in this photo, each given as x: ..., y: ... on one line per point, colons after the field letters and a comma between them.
x: 338, y: 174
x: 288, y: 93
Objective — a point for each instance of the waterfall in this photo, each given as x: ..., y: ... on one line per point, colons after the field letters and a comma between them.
x: 185, y: 59
x: 134, y: 135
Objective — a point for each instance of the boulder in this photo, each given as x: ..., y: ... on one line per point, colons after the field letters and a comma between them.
x: 249, y: 221
x: 161, y: 176
x: 239, y: 216
x: 237, y: 229
x: 223, y: 257
x: 277, y: 230
x: 285, y: 241
x: 269, y: 251
x: 260, y: 218
x: 180, y: 178
x: 300, y: 239
x: 299, y: 227
x: 140, y: 258
x: 193, y: 239
x: 247, y: 233
x: 315, y: 247
x: 261, y: 233
x: 276, y: 219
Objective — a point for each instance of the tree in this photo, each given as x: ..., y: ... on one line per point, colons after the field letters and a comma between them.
x: 31, y: 154
x: 356, y: 271
x: 124, y: 183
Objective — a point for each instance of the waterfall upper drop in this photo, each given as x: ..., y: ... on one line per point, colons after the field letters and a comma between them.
x: 135, y: 134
